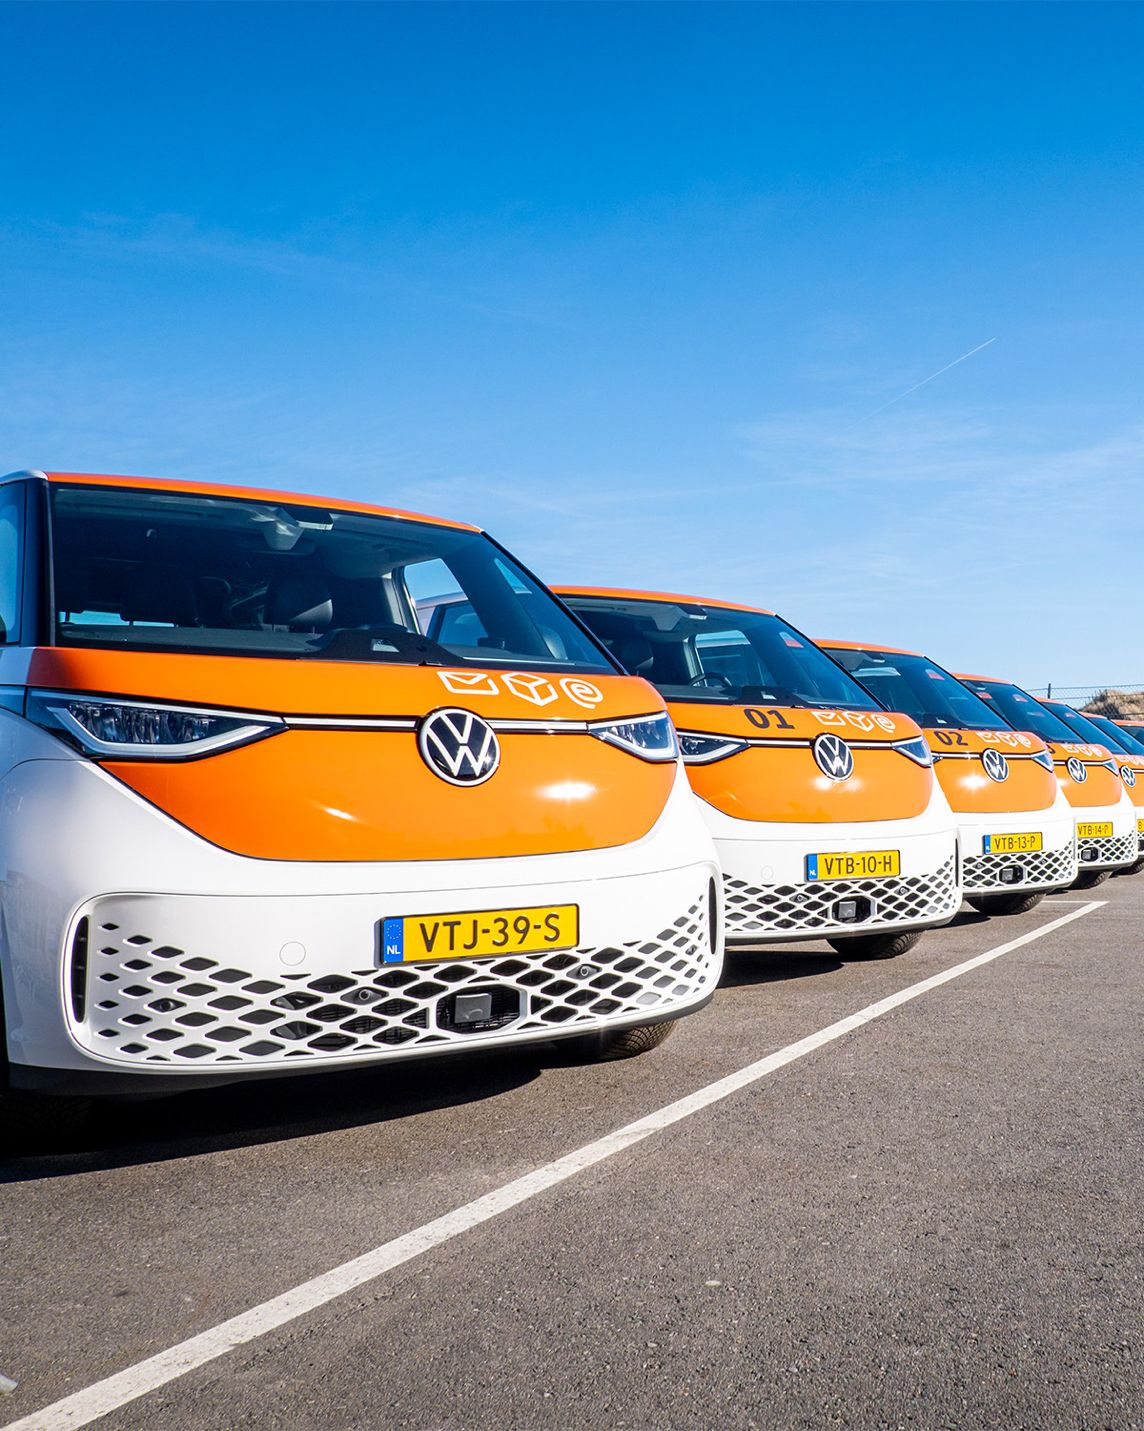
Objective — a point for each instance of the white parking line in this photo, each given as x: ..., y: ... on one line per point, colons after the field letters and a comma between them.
x: 81, y: 1408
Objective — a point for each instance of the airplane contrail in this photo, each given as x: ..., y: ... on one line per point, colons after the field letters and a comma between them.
x: 922, y: 384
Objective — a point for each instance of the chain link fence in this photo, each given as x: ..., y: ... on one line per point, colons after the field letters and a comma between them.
x: 1121, y: 700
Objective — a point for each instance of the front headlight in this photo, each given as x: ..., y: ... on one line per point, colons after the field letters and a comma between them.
x: 1045, y: 758
x: 704, y: 749
x: 649, y: 737
x: 138, y: 730
x: 916, y: 750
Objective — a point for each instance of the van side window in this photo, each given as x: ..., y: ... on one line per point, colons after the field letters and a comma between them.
x: 11, y: 561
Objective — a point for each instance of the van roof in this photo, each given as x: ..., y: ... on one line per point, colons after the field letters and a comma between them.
x: 625, y: 594
x: 259, y: 494
x: 988, y: 680
x: 868, y: 646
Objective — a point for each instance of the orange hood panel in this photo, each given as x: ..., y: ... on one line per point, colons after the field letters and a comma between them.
x: 1102, y: 787
x: 1134, y: 763
x: 343, y: 688
x: 368, y: 795
x: 328, y: 794
x: 1029, y: 788
x: 781, y: 783
x: 791, y: 722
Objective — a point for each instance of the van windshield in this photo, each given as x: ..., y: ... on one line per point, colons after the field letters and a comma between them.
x: 1116, y: 737
x: 175, y: 571
x: 695, y: 652
x: 913, y: 684
x: 1089, y: 730
x: 1023, y: 711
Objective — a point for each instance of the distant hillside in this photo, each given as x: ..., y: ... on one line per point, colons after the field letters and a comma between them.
x: 1120, y: 705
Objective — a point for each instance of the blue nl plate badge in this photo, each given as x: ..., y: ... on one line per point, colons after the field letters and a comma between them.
x: 392, y: 941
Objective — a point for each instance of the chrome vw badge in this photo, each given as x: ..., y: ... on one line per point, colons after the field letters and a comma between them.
x: 1128, y: 775
x: 996, y: 766
x: 459, y: 746
x: 1078, y: 770
x: 833, y: 757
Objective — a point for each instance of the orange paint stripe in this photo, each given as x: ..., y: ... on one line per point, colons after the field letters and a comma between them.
x: 626, y: 594
x: 311, y: 687
x: 258, y: 494
x: 866, y: 646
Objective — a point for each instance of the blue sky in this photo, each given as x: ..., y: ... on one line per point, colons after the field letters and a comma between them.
x: 626, y: 284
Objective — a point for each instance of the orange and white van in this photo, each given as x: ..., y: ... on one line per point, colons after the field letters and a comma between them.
x: 1017, y: 833
x: 1130, y: 736
x: 824, y: 807
x: 1127, y: 754
x: 1086, y: 773
x: 258, y: 822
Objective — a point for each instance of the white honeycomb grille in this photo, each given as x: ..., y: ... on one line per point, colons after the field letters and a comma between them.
x: 1043, y: 869
x: 809, y: 908
x: 1114, y: 850
x: 156, y: 1003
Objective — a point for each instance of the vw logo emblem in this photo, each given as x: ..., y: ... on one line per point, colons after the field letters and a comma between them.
x: 1078, y: 770
x: 833, y: 757
x: 1128, y: 775
x: 996, y: 766
x: 459, y: 746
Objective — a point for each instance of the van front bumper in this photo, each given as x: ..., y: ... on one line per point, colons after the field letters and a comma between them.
x: 136, y: 955
x: 1117, y: 851
x: 770, y: 900
x: 1054, y: 866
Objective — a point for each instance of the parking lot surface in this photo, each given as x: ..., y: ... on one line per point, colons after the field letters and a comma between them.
x: 932, y: 1219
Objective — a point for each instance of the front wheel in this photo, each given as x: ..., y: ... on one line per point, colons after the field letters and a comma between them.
x: 874, y: 946
x: 1005, y: 903
x: 610, y: 1044
x: 1089, y: 879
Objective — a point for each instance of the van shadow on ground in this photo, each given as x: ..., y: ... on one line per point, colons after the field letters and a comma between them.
x: 772, y: 966
x: 769, y: 964
x: 136, y: 1131
x: 128, y: 1132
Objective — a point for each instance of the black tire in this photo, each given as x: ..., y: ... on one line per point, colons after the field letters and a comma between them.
x: 1089, y: 879
x: 1132, y: 869
x: 33, y: 1122
x: 1004, y: 903
x: 874, y: 946
x: 611, y: 1044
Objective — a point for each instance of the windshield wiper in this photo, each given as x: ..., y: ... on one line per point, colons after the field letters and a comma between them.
x: 379, y: 643
x: 816, y: 704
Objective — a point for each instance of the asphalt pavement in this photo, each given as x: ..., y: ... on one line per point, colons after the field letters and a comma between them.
x: 931, y: 1220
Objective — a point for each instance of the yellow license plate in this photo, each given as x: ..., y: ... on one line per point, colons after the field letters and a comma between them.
x: 1094, y: 830
x: 1140, y: 825
x: 1014, y: 844
x: 479, y: 933
x: 843, y: 864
